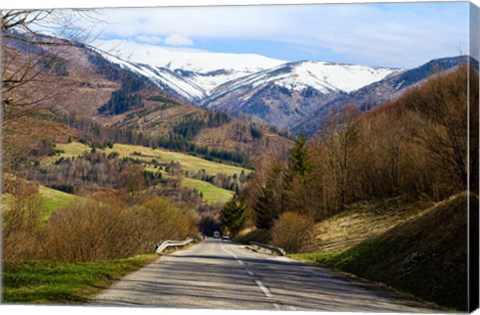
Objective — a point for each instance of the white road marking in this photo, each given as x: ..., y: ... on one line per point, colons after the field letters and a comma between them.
x: 258, y: 282
x: 276, y: 306
x: 229, y: 252
x: 264, y: 288
x: 250, y: 273
x: 292, y: 308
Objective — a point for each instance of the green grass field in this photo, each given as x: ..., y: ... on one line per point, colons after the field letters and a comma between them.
x: 188, y: 162
x: 52, y: 200
x: 70, y: 150
x: 48, y: 282
x: 211, y: 193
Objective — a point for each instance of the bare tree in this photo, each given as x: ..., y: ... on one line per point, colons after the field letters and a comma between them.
x: 444, y: 105
x: 343, y: 140
x: 33, y: 64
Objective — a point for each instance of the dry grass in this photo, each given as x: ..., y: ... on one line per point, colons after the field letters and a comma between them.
x: 361, y: 221
x: 425, y: 255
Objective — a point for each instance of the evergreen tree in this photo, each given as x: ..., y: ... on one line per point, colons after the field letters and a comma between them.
x: 234, y: 215
x: 269, y: 205
x: 298, y: 167
x: 298, y: 163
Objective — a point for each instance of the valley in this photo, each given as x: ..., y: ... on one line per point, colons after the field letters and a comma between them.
x: 112, y: 148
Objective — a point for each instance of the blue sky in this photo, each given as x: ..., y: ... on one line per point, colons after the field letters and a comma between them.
x: 385, y: 34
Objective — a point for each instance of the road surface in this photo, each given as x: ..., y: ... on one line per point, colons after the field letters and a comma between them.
x: 219, y: 274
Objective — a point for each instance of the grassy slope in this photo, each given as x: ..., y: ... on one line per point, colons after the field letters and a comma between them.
x: 47, y: 282
x: 210, y: 192
x: 425, y: 256
x: 52, y: 199
x: 363, y: 220
x: 188, y: 162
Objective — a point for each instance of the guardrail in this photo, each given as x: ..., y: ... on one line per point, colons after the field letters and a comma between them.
x: 268, y: 248
x: 166, y: 244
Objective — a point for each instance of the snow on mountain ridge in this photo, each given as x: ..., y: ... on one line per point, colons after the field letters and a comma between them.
x: 161, y: 77
x: 203, y: 66
x: 325, y: 76
x: 199, y: 61
x: 199, y: 76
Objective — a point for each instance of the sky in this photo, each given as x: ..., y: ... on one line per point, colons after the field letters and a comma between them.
x: 383, y: 34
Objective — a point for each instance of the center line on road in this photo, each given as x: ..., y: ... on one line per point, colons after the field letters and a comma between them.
x: 264, y: 288
x: 229, y: 252
x: 259, y: 283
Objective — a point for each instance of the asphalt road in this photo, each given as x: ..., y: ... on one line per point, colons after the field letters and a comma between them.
x: 219, y: 274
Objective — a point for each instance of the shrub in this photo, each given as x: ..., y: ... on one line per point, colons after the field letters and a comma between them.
x: 101, y: 227
x: 163, y: 220
x: 293, y: 232
x: 21, y: 229
x: 107, y: 226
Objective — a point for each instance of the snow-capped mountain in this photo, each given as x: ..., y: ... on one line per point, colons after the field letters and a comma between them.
x: 202, y: 71
x: 277, y: 92
x: 286, y: 93
x: 379, y: 92
x: 322, y: 76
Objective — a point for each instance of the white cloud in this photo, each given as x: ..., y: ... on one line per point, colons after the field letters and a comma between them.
x: 396, y: 34
x: 178, y: 40
x: 149, y: 39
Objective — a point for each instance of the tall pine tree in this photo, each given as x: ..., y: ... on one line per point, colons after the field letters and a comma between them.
x: 298, y: 163
x: 269, y: 205
x: 234, y: 215
x: 294, y: 176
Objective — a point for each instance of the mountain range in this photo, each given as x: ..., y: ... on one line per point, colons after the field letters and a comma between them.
x: 295, y: 96
x: 171, y: 93
x: 267, y: 90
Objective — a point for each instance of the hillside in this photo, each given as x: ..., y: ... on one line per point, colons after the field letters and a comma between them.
x: 380, y: 92
x: 188, y: 171
x: 122, y: 97
x: 49, y: 201
x: 426, y: 255
x: 275, y: 92
x: 363, y: 220
x: 282, y: 95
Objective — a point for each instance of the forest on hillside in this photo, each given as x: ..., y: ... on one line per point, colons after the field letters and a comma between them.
x: 417, y: 147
